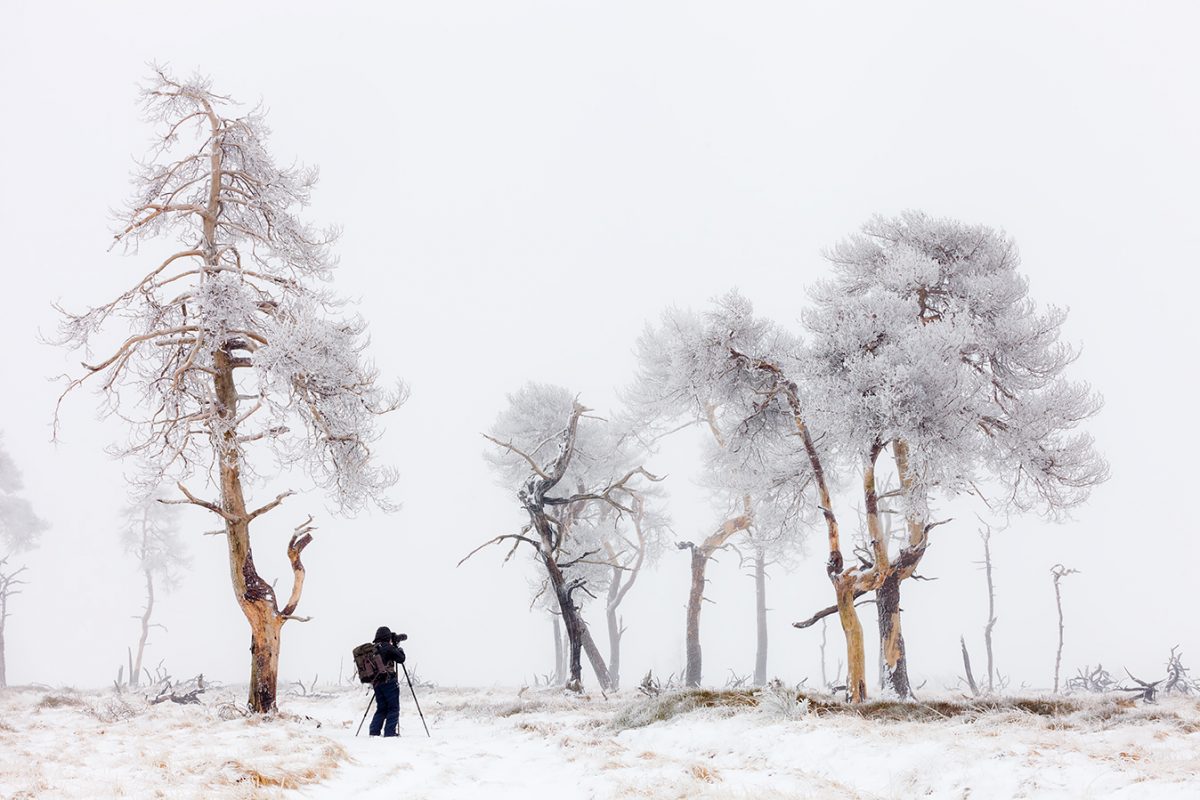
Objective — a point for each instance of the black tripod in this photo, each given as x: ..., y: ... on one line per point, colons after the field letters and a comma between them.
x: 414, y: 696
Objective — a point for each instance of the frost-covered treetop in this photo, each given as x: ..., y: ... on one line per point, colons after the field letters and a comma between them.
x: 926, y: 334
x: 245, y: 290
x: 533, y: 421
x: 727, y: 369
x: 19, y: 526
x: 686, y: 368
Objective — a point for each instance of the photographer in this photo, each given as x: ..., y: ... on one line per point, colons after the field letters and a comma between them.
x: 387, y: 686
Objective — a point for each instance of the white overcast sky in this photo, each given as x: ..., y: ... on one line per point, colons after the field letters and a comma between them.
x: 521, y: 186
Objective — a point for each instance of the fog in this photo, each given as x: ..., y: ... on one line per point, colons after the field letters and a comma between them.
x: 522, y: 186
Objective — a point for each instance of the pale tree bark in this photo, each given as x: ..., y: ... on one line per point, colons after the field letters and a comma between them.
x: 760, y: 618
x: 700, y: 556
x: 620, y: 582
x: 560, y: 652
x: 1058, y: 571
x: 985, y: 533
x: 135, y: 666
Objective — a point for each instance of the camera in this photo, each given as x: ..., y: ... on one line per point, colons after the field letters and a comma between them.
x: 399, y: 637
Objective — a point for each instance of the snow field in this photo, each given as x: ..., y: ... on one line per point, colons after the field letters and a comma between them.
x: 504, y: 743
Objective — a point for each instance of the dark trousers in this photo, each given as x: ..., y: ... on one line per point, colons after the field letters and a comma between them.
x: 387, y: 708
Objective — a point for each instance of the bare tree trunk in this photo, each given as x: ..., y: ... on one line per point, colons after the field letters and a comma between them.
x: 578, y: 637
x: 967, y: 666
x: 699, y: 561
x: 986, y: 535
x: 1059, y: 571
x: 596, y: 660
x: 8, y: 588
x: 560, y: 672
x: 614, y: 630
x: 264, y: 661
x: 856, y: 661
x: 254, y: 596
x: 824, y: 676
x: 891, y: 638
x: 760, y: 614
x: 135, y: 667
x: 700, y: 556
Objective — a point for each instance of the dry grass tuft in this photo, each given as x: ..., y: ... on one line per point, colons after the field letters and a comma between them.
x: 667, y: 706
x: 703, y: 773
x: 332, y: 755
x: 60, y: 701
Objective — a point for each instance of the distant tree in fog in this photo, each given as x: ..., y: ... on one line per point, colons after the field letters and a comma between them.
x: 150, y: 533
x: 19, y: 532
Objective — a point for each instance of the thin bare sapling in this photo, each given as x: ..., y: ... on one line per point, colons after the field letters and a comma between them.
x: 150, y: 533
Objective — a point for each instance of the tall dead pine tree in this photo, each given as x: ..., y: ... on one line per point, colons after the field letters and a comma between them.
x: 233, y: 346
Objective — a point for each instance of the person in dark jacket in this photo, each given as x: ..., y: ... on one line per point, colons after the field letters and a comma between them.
x: 387, y: 686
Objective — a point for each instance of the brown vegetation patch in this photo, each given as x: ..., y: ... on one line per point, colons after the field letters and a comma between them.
x: 1056, y: 711
x: 60, y: 701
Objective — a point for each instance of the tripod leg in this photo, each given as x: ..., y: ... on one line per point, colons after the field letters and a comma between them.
x: 414, y: 694
x: 368, y: 711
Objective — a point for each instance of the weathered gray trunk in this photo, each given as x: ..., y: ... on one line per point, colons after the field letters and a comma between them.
x: 135, y: 667
x: 760, y: 613
x: 695, y: 598
x: 560, y: 652
x: 614, y: 631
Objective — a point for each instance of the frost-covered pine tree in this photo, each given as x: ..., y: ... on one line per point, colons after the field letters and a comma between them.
x: 150, y: 533
x: 19, y: 532
x: 711, y: 369
x: 562, y: 463
x: 926, y: 345
x: 237, y: 355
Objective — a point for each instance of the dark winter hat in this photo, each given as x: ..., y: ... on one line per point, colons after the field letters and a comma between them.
x: 384, y: 634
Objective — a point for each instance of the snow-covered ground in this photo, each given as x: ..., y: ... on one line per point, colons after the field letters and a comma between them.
x: 534, y: 743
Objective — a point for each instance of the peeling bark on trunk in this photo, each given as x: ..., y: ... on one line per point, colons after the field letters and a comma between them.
x: 264, y: 660
x: 891, y: 638
x: 760, y: 614
x: 254, y: 596
x: 856, y: 661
